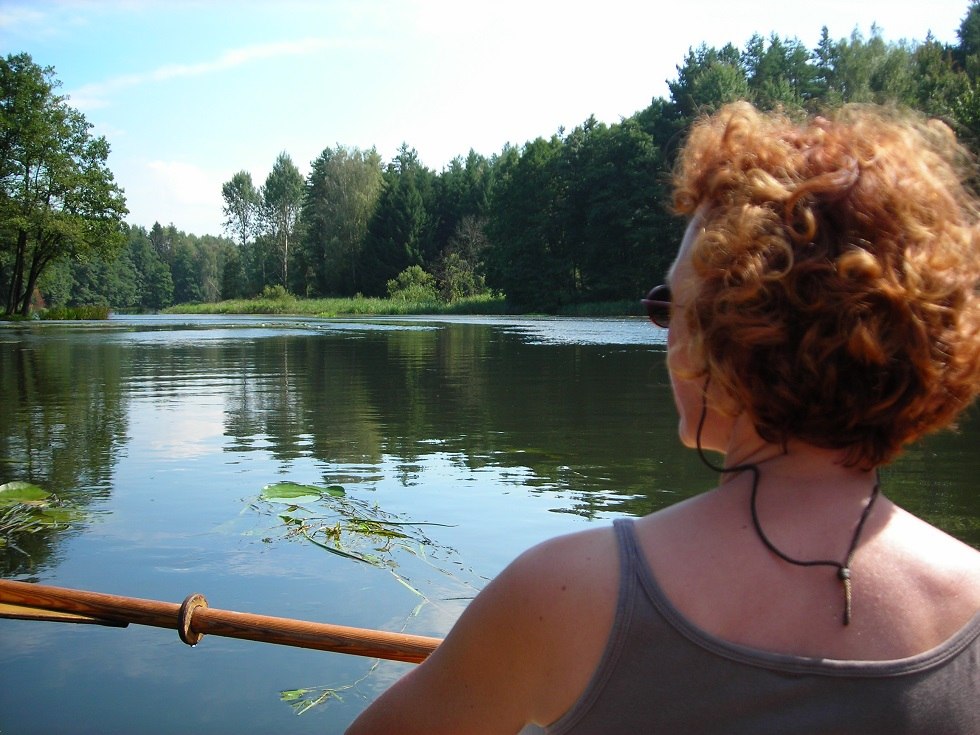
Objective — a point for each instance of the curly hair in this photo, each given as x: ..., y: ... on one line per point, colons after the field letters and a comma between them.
x: 838, y: 271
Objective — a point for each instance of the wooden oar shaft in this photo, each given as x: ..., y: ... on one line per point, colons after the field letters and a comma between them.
x: 194, y: 619
x: 93, y: 604
x: 319, y: 636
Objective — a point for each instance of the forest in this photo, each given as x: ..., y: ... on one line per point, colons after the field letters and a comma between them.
x: 578, y: 217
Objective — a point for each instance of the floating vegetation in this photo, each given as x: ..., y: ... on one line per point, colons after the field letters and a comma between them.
x: 349, y: 527
x: 26, y: 509
x: 306, y: 698
x: 358, y: 530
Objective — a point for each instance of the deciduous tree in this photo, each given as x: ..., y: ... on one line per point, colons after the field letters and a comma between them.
x: 241, y: 208
x: 58, y: 198
x: 282, y: 198
x: 708, y: 79
x: 341, y: 196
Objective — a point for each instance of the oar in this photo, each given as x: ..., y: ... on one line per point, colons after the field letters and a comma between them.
x: 193, y: 618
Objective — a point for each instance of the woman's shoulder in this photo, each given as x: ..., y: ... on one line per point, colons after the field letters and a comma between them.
x: 562, y: 595
x: 523, y: 650
x: 564, y: 583
x: 926, y: 570
x: 592, y: 549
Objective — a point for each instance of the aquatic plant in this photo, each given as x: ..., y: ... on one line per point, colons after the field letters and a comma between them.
x: 352, y: 527
x: 25, y: 509
x: 358, y: 530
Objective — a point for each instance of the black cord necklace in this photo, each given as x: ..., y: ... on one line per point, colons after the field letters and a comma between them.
x: 844, y: 567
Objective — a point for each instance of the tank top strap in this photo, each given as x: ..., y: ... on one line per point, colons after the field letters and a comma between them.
x: 629, y: 570
x: 628, y: 549
x: 629, y: 588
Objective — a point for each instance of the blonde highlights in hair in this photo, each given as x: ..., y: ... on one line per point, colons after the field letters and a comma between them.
x: 838, y: 269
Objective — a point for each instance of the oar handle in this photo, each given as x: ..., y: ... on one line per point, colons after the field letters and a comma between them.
x: 92, y: 604
x: 194, y: 618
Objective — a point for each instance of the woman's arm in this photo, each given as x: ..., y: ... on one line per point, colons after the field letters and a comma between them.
x: 521, y: 652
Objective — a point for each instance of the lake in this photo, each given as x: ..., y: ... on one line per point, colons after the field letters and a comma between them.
x: 448, y: 446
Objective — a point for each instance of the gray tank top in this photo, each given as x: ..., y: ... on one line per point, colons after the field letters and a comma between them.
x: 661, y: 674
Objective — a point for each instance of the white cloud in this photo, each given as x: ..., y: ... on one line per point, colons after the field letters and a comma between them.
x: 187, y: 195
x: 25, y: 23
x: 93, y: 96
x: 237, y: 57
x: 16, y: 17
x: 182, y: 182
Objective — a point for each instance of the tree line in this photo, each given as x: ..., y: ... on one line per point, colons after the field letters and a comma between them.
x: 577, y: 217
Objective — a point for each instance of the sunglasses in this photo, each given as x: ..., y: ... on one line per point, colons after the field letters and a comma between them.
x: 658, y: 303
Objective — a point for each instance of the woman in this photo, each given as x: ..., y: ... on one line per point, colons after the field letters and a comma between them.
x: 823, y: 313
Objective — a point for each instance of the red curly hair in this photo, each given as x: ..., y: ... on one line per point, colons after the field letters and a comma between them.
x: 838, y: 274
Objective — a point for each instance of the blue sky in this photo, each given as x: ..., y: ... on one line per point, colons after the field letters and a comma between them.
x: 187, y: 93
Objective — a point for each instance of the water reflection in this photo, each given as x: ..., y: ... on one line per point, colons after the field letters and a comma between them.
x: 64, y: 422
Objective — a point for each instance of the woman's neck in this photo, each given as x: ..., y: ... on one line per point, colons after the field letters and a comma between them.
x: 796, y: 464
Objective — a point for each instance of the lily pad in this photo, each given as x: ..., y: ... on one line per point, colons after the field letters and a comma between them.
x: 22, y: 493
x: 294, y: 492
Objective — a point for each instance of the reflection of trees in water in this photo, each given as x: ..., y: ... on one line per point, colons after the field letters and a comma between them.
x: 64, y: 420
x: 473, y: 392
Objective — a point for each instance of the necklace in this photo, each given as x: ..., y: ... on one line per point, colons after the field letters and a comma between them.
x: 843, y: 567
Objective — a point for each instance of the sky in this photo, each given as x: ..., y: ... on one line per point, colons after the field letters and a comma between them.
x: 190, y: 92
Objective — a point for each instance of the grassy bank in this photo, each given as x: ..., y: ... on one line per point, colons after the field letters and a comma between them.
x: 387, y: 307
x: 62, y: 313
x: 291, y: 305
x: 343, y: 307
x: 94, y: 311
